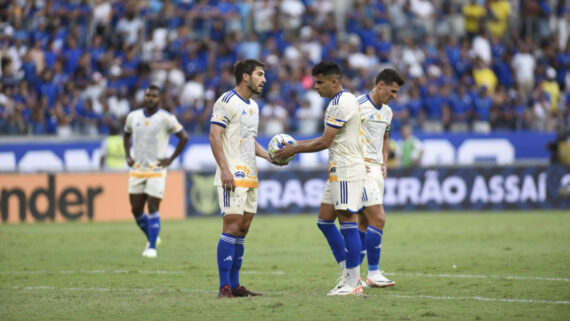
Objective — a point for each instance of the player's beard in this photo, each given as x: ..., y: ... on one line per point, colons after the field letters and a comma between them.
x: 254, y: 89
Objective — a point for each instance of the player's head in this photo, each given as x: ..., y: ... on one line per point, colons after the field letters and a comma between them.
x: 327, y: 78
x: 388, y: 83
x: 152, y: 96
x: 250, y: 72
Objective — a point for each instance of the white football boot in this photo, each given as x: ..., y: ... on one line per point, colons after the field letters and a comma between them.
x: 343, y: 288
x: 377, y: 280
x: 150, y: 253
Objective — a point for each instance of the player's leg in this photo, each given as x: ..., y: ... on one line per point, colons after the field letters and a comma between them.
x: 362, y: 226
x: 137, y: 198
x: 154, y: 189
x: 327, y: 225
x: 154, y: 225
x: 349, y: 230
x: 137, y: 208
x: 226, y: 250
x: 376, y: 217
x: 347, y: 197
x: 249, y: 211
x: 234, y: 228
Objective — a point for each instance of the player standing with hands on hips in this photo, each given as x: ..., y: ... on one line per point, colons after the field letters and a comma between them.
x: 233, y: 132
x: 342, y: 197
x: 150, y: 128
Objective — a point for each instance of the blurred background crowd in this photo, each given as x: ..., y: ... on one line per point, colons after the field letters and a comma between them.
x: 77, y: 67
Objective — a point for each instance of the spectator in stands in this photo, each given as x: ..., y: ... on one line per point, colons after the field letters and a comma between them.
x: 410, y: 150
x: 473, y: 14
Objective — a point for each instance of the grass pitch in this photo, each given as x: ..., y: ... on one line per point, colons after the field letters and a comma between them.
x: 452, y: 266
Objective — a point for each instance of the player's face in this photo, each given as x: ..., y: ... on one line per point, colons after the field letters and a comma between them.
x: 151, y: 98
x: 324, y: 85
x: 387, y: 92
x: 257, y: 80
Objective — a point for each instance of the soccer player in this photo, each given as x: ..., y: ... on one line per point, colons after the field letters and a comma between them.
x: 342, y: 197
x: 376, y: 116
x: 150, y: 128
x: 233, y: 130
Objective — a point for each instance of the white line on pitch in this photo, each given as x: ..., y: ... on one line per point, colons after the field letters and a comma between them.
x: 430, y: 297
x: 92, y: 272
x: 430, y: 275
x: 479, y: 276
x: 476, y: 298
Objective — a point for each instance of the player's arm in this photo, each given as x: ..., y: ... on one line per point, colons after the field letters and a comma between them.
x: 308, y: 146
x: 127, y: 148
x: 385, y: 153
x: 182, y: 140
x: 261, y: 152
x: 215, y: 137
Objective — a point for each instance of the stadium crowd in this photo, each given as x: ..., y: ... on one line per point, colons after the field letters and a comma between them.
x: 77, y: 67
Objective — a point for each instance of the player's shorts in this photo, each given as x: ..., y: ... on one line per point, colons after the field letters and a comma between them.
x: 373, y: 185
x: 242, y: 199
x: 344, y: 195
x: 153, y: 186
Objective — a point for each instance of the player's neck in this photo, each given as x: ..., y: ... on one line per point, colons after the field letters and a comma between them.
x: 374, y: 97
x: 335, y: 92
x: 244, y: 92
x: 150, y: 110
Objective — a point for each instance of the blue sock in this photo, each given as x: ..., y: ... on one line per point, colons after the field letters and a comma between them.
x: 153, y: 229
x: 352, y: 240
x: 373, y: 247
x: 142, y: 222
x: 333, y: 236
x: 363, y: 244
x: 226, y: 253
x: 238, y: 259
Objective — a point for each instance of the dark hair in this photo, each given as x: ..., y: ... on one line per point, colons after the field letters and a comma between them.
x: 153, y: 87
x: 388, y: 76
x: 327, y: 68
x: 246, y: 67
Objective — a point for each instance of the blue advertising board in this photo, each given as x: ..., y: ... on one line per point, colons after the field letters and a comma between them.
x: 443, y: 149
x: 459, y: 188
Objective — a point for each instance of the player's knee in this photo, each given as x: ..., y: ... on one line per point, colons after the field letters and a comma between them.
x: 244, y: 228
x: 137, y: 212
x: 152, y: 208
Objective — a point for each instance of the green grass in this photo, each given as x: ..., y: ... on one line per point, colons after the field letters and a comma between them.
x: 508, y: 266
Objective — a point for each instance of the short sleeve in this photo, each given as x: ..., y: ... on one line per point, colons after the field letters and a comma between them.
x: 129, y: 123
x: 339, y: 114
x: 173, y: 125
x: 221, y: 114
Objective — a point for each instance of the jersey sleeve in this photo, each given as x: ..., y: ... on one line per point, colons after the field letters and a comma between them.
x: 340, y: 113
x: 129, y: 123
x: 173, y: 125
x: 221, y: 114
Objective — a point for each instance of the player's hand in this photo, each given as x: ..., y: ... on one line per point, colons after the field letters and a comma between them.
x: 272, y: 161
x: 164, y: 162
x: 228, y: 182
x: 130, y: 161
x: 285, y: 152
x: 384, y: 171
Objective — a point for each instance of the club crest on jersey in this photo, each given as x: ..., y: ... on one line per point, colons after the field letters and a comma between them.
x: 239, y: 174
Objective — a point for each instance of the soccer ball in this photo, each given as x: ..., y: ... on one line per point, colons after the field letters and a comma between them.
x: 275, y: 144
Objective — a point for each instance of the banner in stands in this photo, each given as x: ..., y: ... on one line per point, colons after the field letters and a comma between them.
x: 74, y: 196
x: 482, y: 188
x: 441, y: 149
